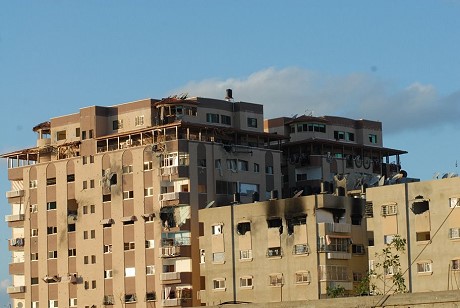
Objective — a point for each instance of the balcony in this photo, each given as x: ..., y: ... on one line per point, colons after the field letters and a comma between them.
x: 17, y: 242
x: 325, y: 228
x: 171, y: 302
x: 174, y: 172
x: 170, y: 276
x: 348, y: 285
x: 15, y: 289
x: 338, y: 255
x: 170, y: 251
x: 15, y: 193
x: 174, y: 198
x: 176, y: 277
x: 15, y: 217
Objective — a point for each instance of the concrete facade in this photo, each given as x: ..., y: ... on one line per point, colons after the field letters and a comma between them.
x: 104, y: 209
x: 282, y: 250
x: 427, y: 215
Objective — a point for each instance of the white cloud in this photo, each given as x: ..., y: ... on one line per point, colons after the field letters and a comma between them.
x: 289, y: 91
x: 4, y: 284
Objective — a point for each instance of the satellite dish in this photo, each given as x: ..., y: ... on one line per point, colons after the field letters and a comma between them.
x: 453, y: 175
x: 445, y: 175
x: 374, y: 180
x: 382, y: 180
x: 436, y: 175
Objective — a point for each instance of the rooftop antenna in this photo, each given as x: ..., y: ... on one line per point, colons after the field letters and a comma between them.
x: 308, y: 112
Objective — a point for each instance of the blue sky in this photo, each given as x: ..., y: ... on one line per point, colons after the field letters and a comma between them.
x: 392, y: 61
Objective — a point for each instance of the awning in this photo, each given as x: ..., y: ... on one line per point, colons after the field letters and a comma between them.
x: 107, y: 221
x: 128, y: 218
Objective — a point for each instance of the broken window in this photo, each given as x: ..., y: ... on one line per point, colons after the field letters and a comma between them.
x: 275, y: 223
x: 61, y: 135
x: 420, y: 205
x: 243, y: 227
x: 295, y: 221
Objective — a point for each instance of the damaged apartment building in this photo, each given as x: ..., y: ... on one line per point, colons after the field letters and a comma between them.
x: 104, y: 208
x: 283, y: 250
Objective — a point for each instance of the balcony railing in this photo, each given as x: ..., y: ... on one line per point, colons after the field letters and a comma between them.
x: 15, y: 193
x: 15, y: 289
x: 168, y: 196
x: 171, y: 302
x: 169, y: 170
x: 169, y: 251
x: 170, y: 276
x: 18, y: 242
x: 338, y: 227
x: 15, y: 217
x: 339, y: 255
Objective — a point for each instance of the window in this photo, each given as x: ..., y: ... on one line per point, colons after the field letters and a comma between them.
x: 70, y: 178
x: 454, y: 233
x: 106, y: 198
x: 218, y: 284
x: 91, y: 159
x: 148, y: 192
x: 149, y: 244
x: 150, y: 296
x: 34, y: 305
x: 90, y: 133
x: 77, y: 132
x: 252, y: 122
x: 246, y: 254
x: 218, y: 257
x: 455, y: 265
x: 243, y: 227
x: 349, y: 136
x: 33, y: 208
x: 256, y: 167
x: 357, y: 277
x: 128, y: 195
x: 117, y: 124
x: 227, y: 120
x: 274, y: 252
x: 372, y: 138
x: 53, y: 303
x: 72, y: 302
x: 454, y: 202
x: 51, y: 205
x: 231, y: 164
x: 389, y: 271
x: 422, y: 236
x: 333, y: 273
x: 72, y: 252
x: 61, y: 135
x: 92, y: 208
x: 216, y: 229
x: 85, y: 260
x: 83, y: 135
x: 246, y: 282
x: 127, y: 169
x: 301, y: 249
x: 52, y: 254
x: 389, y: 209
x: 212, y: 118
x: 129, y: 246
x: 243, y: 165
x: 51, y: 230
x: 33, y: 184
x: 218, y: 164
x: 150, y: 270
x: 424, y: 267
x: 130, y: 298
x: 139, y: 120
x: 358, y: 249
x: 369, y: 209
x: 91, y: 184
x: 34, y: 256
x: 338, y: 135
x: 85, y: 185
x: 275, y: 280
x: 148, y: 165
x: 33, y: 232
x: 108, y: 274
x: 93, y: 259
x: 269, y: 169
x: 130, y: 272
x: 34, y: 280
x: 50, y: 181
x: 108, y: 248
x: 302, y: 277
x: 85, y: 160
x: 93, y: 233
x: 387, y: 239
x: 85, y: 235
